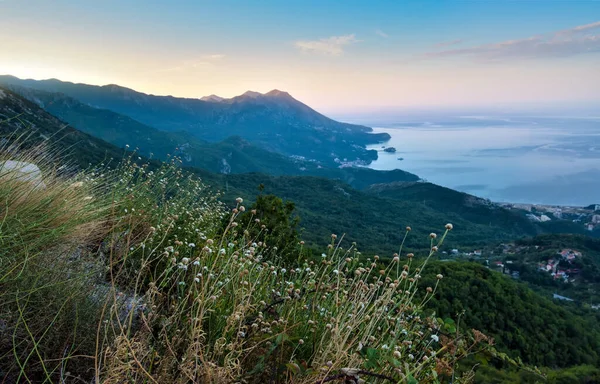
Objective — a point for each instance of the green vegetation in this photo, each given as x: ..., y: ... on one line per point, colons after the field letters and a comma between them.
x: 274, y: 121
x: 128, y: 275
x: 231, y: 155
x: 522, y: 323
x: 115, y: 251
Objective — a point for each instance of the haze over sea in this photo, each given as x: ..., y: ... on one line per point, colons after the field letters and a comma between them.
x: 518, y: 158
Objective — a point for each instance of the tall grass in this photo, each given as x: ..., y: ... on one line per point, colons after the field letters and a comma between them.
x: 141, y: 275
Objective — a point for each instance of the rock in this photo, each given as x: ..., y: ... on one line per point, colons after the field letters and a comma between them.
x: 22, y: 171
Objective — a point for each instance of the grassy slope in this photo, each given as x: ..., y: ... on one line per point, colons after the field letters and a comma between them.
x: 496, y: 304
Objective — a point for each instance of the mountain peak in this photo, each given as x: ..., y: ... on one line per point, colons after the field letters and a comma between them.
x: 213, y: 98
x: 278, y: 93
x: 251, y: 94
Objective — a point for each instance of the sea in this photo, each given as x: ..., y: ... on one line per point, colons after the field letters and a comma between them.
x: 538, y: 159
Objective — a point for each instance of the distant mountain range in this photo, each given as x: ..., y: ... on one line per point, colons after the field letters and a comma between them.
x: 324, y: 205
x: 274, y: 121
x: 231, y: 155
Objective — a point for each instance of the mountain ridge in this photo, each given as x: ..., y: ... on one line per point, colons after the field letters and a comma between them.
x: 275, y: 121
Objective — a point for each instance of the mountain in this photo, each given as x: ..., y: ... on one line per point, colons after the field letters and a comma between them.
x: 274, y: 120
x: 212, y: 98
x: 23, y: 121
x: 231, y: 155
x: 324, y: 205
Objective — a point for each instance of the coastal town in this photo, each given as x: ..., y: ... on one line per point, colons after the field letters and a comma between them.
x: 588, y: 217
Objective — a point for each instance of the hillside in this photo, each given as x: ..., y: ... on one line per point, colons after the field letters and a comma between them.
x: 275, y: 120
x: 31, y: 126
x: 495, y: 304
x: 522, y: 322
x: 564, y: 264
x: 376, y: 222
x: 469, y: 207
x: 231, y: 155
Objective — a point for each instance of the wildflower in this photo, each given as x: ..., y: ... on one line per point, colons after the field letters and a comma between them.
x: 300, y: 341
x: 408, y: 229
x: 333, y: 236
x: 397, y: 354
x: 434, y: 248
x: 432, y: 235
x: 396, y: 259
x: 239, y: 200
x: 185, y: 260
x: 283, y: 270
x: 323, y: 255
x: 152, y: 229
x: 449, y: 226
x: 253, y: 211
x: 196, y: 262
x: 410, y: 255
x: 242, y: 208
x: 197, y: 280
x: 335, y: 271
x: 210, y: 241
x: 429, y: 289
x: 439, y: 276
x: 234, y: 224
x: 241, y: 334
x: 191, y: 245
x: 410, y: 356
x: 182, y: 283
x: 435, y: 338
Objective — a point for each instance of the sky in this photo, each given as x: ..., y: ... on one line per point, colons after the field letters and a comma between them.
x: 334, y: 55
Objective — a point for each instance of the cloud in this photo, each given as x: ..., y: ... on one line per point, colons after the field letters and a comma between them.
x: 381, y: 33
x: 565, y: 43
x: 333, y: 45
x: 448, y: 43
x: 200, y: 61
x: 214, y: 57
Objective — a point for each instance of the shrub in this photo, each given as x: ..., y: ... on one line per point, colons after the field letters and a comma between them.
x: 162, y: 292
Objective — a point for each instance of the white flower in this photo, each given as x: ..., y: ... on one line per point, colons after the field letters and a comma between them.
x: 283, y: 270
x: 197, y: 280
x: 435, y: 338
x: 182, y: 283
x: 335, y: 271
x: 197, y: 262
x: 192, y: 245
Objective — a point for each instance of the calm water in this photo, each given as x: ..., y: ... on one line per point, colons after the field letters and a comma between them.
x: 547, y: 160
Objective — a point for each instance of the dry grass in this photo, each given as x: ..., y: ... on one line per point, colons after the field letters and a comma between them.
x: 138, y: 275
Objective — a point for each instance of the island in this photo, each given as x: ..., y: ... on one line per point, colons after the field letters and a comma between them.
x: 390, y: 149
